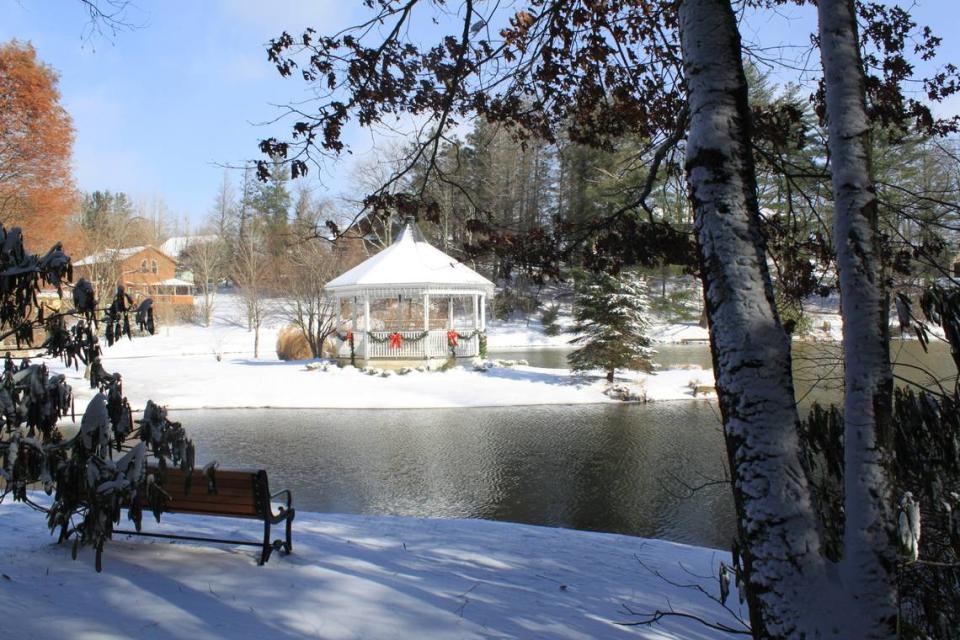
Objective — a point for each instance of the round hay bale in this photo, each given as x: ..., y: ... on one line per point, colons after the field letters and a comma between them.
x: 292, y: 345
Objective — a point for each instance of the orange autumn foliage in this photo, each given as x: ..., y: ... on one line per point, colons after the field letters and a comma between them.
x: 37, y: 191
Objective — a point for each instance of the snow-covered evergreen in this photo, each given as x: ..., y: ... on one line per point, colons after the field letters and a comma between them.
x: 613, y: 322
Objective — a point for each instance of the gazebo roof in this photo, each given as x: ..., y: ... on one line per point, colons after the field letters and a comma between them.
x: 410, y: 263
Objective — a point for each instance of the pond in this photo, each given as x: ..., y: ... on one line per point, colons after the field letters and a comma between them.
x: 615, y: 468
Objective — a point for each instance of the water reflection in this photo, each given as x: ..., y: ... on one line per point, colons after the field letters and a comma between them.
x: 616, y: 468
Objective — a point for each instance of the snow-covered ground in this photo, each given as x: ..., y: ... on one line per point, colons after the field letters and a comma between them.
x: 353, y: 577
x: 178, y: 367
x: 671, y: 333
x: 523, y: 334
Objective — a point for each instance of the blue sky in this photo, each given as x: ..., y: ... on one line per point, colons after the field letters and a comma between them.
x: 158, y: 108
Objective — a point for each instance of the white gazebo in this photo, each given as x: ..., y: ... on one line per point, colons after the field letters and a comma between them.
x: 410, y: 302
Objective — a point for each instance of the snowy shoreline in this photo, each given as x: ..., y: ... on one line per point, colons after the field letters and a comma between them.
x: 353, y: 576
x: 187, y: 383
x: 185, y: 367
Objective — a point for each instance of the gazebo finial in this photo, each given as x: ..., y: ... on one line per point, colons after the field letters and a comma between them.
x: 410, y: 230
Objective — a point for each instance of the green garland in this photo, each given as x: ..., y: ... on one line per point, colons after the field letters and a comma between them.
x: 482, y: 346
x: 420, y: 336
x: 482, y: 350
x: 467, y: 336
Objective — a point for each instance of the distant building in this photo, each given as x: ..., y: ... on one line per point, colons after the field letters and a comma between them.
x: 175, y: 246
x: 178, y: 248
x: 144, y: 271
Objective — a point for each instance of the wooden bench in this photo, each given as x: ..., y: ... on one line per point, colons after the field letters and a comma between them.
x: 237, y: 494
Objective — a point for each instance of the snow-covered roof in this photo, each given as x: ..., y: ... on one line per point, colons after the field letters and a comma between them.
x: 109, y: 255
x: 410, y: 263
x: 174, y: 282
x: 177, y: 244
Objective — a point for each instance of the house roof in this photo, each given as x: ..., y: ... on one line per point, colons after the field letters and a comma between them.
x: 109, y: 255
x: 177, y: 244
x: 175, y: 282
x: 410, y: 263
x: 115, y: 255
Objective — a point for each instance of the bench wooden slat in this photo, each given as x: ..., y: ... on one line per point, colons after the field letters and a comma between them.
x: 212, y: 498
x: 213, y: 505
x: 193, y: 507
x: 177, y: 491
x: 200, y: 480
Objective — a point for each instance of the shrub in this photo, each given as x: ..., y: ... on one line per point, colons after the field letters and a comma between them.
x: 548, y: 317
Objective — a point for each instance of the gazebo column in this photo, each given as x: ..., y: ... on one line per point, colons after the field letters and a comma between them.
x: 483, y: 312
x: 426, y: 325
x: 478, y: 319
x: 353, y: 324
x: 366, y: 327
x: 336, y: 327
x: 450, y: 324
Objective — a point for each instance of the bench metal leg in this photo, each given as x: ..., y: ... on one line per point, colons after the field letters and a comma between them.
x: 288, y: 545
x: 63, y: 531
x: 267, y: 545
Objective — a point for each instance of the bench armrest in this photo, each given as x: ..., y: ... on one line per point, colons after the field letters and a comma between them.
x: 285, y: 509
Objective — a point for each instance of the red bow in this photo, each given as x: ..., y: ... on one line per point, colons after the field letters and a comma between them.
x: 349, y: 337
x: 396, y: 340
x: 452, y: 338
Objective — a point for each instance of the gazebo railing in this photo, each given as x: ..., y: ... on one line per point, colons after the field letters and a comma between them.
x: 435, y: 343
x: 410, y: 347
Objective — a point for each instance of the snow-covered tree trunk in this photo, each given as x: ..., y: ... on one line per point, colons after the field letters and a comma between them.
x: 869, y: 560
x: 751, y: 351
x: 256, y: 340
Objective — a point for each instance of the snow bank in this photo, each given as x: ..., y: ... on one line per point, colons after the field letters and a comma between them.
x: 179, y: 368
x: 352, y: 577
x: 522, y: 334
x: 202, y: 382
x: 679, y: 333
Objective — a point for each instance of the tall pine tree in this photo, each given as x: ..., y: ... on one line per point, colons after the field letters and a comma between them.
x: 272, y: 203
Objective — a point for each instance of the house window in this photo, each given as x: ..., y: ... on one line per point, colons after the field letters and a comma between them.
x: 153, y: 266
x: 143, y: 266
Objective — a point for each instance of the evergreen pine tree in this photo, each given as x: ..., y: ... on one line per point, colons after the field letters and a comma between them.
x: 612, y: 320
x: 272, y: 201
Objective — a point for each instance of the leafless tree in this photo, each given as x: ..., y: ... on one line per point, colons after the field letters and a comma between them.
x: 207, y: 259
x: 309, y: 266
x: 253, y: 274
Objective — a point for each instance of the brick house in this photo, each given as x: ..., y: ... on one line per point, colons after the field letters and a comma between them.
x: 144, y: 272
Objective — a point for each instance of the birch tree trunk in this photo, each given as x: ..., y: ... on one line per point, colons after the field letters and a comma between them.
x: 751, y: 352
x: 869, y: 560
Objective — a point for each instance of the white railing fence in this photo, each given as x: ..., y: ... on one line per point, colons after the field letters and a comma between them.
x: 433, y: 345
